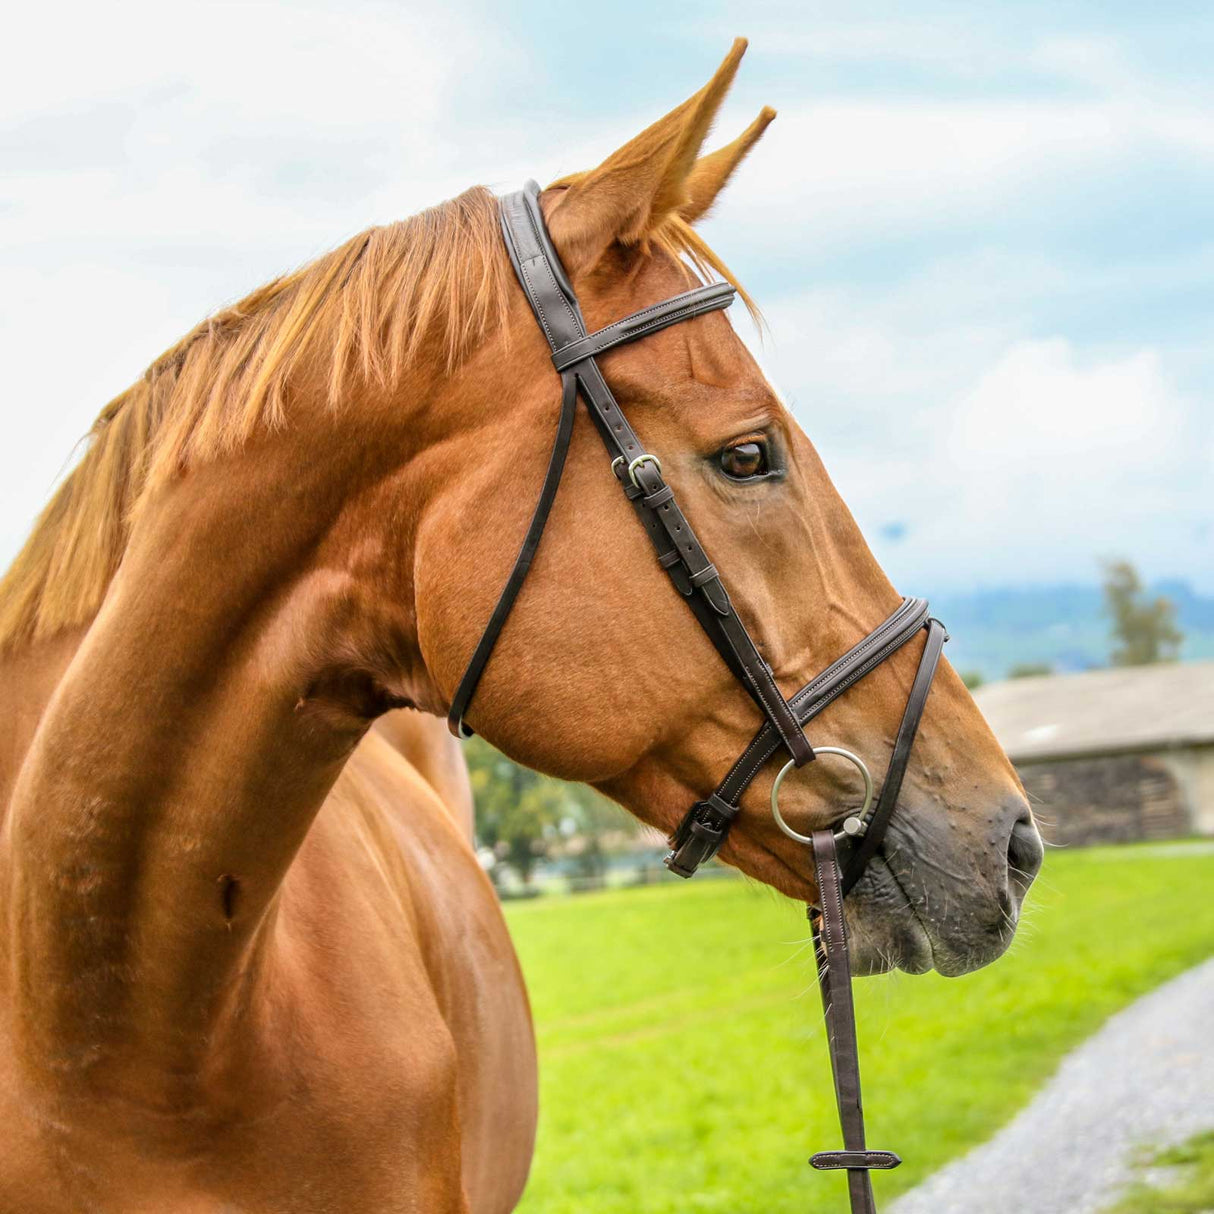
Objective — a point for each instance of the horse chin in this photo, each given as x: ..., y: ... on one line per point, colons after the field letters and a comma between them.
x: 753, y: 857
x: 885, y: 927
x: 884, y: 933
x: 887, y: 930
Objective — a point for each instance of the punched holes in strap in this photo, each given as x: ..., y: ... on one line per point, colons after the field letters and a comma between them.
x: 554, y: 304
x: 863, y: 657
x: 727, y: 631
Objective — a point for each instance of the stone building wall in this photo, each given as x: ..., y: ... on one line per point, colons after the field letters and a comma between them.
x: 1193, y: 769
x: 1107, y: 799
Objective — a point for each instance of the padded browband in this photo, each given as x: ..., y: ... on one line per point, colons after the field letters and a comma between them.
x: 648, y: 320
x: 678, y: 550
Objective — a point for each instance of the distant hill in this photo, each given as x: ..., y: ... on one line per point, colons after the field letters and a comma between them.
x: 1061, y: 626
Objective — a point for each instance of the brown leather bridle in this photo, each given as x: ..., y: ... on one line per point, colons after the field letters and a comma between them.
x: 840, y: 858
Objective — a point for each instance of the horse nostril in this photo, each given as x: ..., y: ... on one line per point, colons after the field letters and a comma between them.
x: 1024, y: 854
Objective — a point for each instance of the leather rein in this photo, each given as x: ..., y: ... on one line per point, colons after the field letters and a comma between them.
x: 840, y: 857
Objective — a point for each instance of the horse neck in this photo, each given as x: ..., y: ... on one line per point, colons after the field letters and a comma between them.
x: 28, y: 678
x: 187, y: 746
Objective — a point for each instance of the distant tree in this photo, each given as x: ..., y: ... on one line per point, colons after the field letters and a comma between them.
x: 1029, y: 670
x: 972, y: 679
x: 520, y: 814
x: 594, y: 819
x: 1144, y: 630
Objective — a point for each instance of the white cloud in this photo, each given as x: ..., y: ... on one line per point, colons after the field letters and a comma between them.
x: 253, y: 63
x: 1045, y: 462
x: 1063, y: 459
x: 854, y: 169
x: 163, y: 161
x: 1038, y: 406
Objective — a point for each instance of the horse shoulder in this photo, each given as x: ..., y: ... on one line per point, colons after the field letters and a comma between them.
x: 427, y: 745
x: 424, y: 942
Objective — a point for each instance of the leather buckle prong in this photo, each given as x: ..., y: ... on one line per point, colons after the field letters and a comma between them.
x: 643, y: 458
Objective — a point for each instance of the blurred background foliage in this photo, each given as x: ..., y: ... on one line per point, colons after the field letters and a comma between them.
x: 1069, y: 629
x: 525, y: 820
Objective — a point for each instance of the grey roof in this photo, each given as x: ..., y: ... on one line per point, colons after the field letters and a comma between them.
x: 1124, y: 709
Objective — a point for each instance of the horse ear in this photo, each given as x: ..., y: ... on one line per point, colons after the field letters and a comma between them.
x: 639, y: 185
x: 711, y: 173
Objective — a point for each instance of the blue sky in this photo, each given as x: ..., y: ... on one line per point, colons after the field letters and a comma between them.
x: 981, y: 233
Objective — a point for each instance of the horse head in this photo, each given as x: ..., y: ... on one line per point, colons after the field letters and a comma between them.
x: 601, y: 675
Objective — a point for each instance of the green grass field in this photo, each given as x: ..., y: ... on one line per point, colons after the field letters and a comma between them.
x: 1183, y: 1183
x: 682, y: 1059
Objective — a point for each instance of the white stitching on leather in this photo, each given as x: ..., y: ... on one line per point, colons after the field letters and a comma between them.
x: 536, y: 305
x: 901, y: 634
x: 627, y: 329
x: 539, y: 244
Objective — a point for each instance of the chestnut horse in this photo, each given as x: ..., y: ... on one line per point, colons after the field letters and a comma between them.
x: 249, y: 959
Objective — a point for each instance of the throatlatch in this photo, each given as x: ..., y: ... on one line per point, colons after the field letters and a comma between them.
x: 839, y: 858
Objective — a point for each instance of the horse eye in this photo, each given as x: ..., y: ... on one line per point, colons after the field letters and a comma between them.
x: 744, y: 461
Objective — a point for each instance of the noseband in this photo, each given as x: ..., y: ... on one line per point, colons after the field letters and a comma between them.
x: 840, y: 858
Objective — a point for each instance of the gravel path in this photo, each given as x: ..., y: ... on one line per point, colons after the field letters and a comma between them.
x: 1145, y: 1079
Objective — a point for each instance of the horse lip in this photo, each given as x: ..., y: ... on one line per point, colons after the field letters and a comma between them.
x: 953, y: 959
x: 916, y: 954
x: 917, y: 951
x: 916, y: 947
x: 910, y: 905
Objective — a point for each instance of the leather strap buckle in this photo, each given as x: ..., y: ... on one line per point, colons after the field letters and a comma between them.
x: 641, y: 460
x: 699, y: 836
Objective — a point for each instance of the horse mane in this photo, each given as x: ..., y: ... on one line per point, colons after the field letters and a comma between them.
x: 361, y: 312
